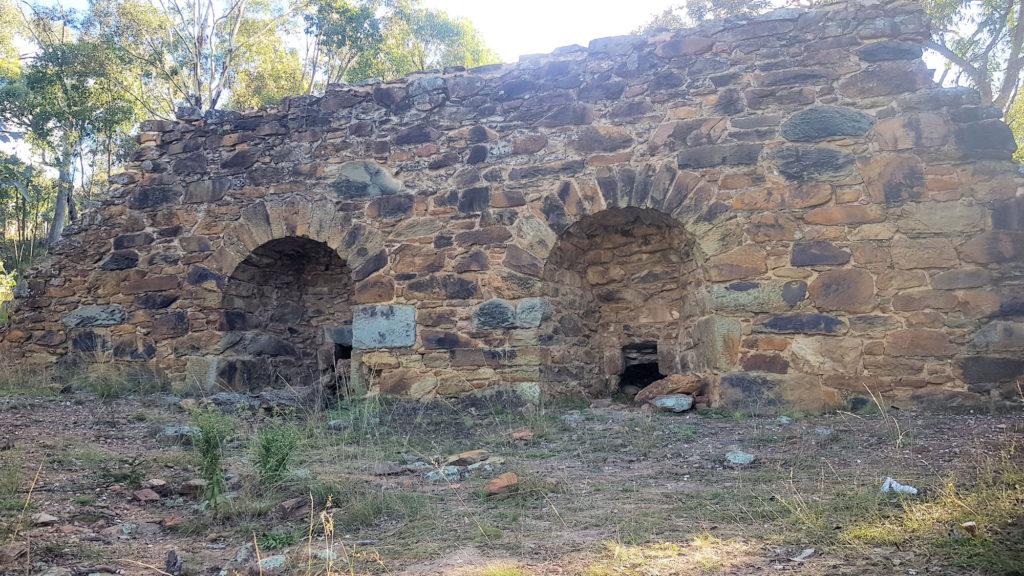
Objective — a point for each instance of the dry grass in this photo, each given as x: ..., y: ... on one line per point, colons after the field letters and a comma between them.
x: 602, y: 492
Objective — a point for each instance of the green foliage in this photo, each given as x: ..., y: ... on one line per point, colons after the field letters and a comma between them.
x: 360, y: 39
x: 214, y: 429
x: 273, y: 449
x: 696, y: 11
x: 983, y: 44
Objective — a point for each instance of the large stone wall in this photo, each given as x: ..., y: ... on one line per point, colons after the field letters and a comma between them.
x: 784, y: 205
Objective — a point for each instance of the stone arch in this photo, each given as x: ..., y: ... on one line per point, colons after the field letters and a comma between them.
x: 283, y: 285
x: 628, y: 283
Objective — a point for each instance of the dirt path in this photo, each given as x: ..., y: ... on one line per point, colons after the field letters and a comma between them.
x: 602, y: 490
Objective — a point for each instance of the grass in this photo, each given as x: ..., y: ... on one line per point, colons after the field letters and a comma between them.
x: 614, y: 491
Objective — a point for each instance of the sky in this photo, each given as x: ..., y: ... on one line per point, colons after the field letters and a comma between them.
x: 517, y: 27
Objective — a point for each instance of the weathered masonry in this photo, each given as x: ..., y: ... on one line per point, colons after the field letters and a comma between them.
x: 786, y: 206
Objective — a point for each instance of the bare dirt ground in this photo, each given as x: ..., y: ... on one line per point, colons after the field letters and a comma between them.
x: 603, y: 489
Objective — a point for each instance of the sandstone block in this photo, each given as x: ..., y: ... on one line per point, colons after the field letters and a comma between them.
x: 844, y: 215
x: 919, y: 342
x: 818, y: 253
x: 671, y: 384
x: 770, y: 226
x: 747, y: 261
x: 849, y: 290
x: 923, y: 300
x: 941, y: 218
x: 893, y: 178
x: 826, y: 355
x: 962, y: 278
x: 927, y: 253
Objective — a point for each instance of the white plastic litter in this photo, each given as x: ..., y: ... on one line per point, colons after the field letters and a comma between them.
x: 891, y: 485
x: 804, y: 555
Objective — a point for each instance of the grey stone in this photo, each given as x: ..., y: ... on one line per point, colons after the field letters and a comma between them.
x: 818, y: 253
x: 229, y: 402
x: 121, y: 260
x: 339, y: 335
x: 383, y: 326
x: 818, y: 124
x: 990, y: 369
x: 889, y: 50
x: 449, y: 473
x: 758, y: 296
x: 673, y: 402
x: 273, y: 562
x: 108, y: 315
x: 803, y: 324
x: 176, y: 435
x: 531, y: 312
x: 802, y: 163
x: 738, y: 458
x: 365, y: 179
x: 495, y: 314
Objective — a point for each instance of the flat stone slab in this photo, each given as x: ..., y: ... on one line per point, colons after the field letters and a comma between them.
x: 109, y: 315
x: 383, y: 326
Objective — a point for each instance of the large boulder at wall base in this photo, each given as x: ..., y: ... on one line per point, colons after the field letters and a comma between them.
x: 672, y: 384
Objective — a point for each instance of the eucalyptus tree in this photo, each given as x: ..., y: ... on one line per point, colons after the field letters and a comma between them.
x: 61, y: 99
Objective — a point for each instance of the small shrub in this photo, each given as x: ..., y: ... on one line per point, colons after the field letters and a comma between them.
x: 214, y: 429
x: 274, y: 447
x: 10, y: 473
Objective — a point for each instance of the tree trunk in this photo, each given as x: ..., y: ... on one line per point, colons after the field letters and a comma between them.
x: 60, y: 208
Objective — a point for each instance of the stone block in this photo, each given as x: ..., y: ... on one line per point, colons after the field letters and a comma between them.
x: 86, y: 316
x: 531, y: 312
x: 816, y: 124
x: 201, y: 374
x: 893, y: 178
x: 771, y: 226
x: 818, y: 253
x: 995, y: 247
x: 826, y: 355
x: 919, y: 342
x: 845, y: 215
x: 363, y: 179
x: 990, y: 369
x: 942, y: 218
x: 848, y: 290
x: 495, y: 314
x: 766, y: 296
x: 747, y: 261
x: 762, y: 393
x: 969, y: 277
x: 718, y: 343
x: 913, y: 300
x: 803, y: 324
x: 383, y: 326
x: 1000, y: 337
x: 910, y: 254
x: 816, y: 163
x: 792, y: 197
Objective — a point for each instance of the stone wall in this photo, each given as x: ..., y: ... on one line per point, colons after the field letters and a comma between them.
x: 784, y: 205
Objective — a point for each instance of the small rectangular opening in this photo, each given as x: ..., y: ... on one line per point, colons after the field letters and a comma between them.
x: 639, y: 367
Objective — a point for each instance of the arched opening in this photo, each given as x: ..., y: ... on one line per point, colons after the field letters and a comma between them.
x: 287, y: 312
x: 621, y: 277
